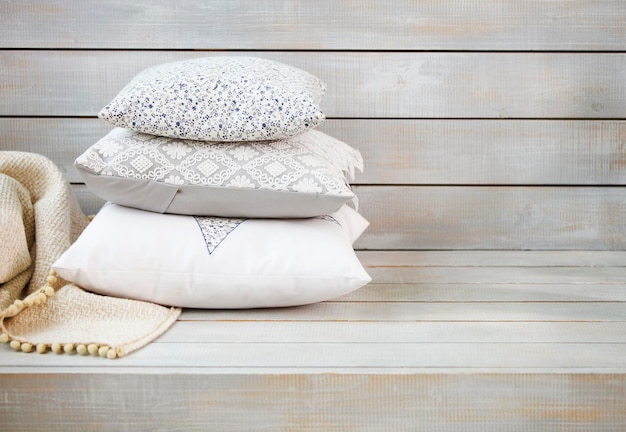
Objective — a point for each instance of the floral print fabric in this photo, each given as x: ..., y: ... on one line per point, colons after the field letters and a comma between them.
x: 216, y: 229
x: 219, y: 99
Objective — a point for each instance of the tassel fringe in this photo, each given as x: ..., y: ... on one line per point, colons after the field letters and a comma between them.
x: 39, y: 297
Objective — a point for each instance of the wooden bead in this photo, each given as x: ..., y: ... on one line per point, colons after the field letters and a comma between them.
x: 4, y: 338
x: 49, y: 291
x: 19, y: 304
x: 51, y: 280
x: 103, y: 351
x: 12, y: 310
x: 26, y: 347
x: 57, y: 348
x: 68, y: 348
x: 93, y: 349
x: 16, y: 345
x: 28, y: 301
x: 42, y: 348
x: 81, y: 349
x: 111, y: 354
x: 42, y: 297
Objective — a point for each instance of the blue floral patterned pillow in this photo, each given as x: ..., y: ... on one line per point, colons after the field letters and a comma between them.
x: 219, y: 99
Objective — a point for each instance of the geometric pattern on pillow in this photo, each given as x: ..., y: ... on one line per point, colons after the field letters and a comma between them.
x: 311, y: 163
x: 219, y: 99
x: 300, y: 164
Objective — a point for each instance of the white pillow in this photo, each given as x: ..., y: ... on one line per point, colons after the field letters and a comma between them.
x: 303, y: 176
x: 217, y: 263
x: 219, y: 99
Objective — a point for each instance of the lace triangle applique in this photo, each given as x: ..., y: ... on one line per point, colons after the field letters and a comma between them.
x: 216, y: 229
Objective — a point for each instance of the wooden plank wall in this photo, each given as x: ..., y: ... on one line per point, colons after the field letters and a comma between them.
x: 494, y: 124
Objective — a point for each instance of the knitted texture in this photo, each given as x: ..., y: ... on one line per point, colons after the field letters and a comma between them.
x: 39, y: 219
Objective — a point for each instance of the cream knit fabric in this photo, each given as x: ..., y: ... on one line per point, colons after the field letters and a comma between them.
x: 39, y: 219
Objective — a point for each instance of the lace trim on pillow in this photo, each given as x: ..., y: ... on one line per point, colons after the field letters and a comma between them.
x: 216, y: 229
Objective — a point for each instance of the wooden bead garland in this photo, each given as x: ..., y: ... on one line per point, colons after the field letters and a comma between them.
x: 39, y: 297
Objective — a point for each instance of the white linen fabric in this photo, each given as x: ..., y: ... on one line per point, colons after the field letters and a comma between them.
x: 219, y: 99
x: 303, y: 176
x: 209, y: 262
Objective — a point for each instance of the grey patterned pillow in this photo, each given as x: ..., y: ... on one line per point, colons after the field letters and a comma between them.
x: 303, y: 176
x: 219, y: 99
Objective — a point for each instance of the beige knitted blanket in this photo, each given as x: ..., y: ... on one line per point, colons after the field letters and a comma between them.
x: 39, y: 219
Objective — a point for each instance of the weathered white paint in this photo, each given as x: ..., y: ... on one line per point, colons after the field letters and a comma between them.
x: 360, y: 84
x: 300, y: 401
x: 305, y: 25
x: 478, y: 152
x: 520, y: 359
x: 480, y: 217
x: 484, y: 125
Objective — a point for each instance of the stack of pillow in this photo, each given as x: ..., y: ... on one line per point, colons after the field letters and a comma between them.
x: 221, y: 192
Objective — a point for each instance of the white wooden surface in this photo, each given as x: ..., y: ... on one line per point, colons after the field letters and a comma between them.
x: 360, y: 84
x: 482, y: 217
x: 471, y: 115
x: 304, y: 25
x: 407, y: 151
x: 496, y: 341
x: 493, y: 134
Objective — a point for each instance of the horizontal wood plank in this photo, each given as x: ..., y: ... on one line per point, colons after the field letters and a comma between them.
x: 487, y: 292
x: 491, y: 152
x: 473, y: 217
x: 481, y: 275
x: 299, y: 24
x: 429, y: 152
x: 360, y: 84
x: 493, y: 217
x: 538, y: 363
x: 423, y: 312
x: 298, y: 402
x: 484, y: 125
x: 485, y: 258
x: 344, y: 356
x: 394, y: 332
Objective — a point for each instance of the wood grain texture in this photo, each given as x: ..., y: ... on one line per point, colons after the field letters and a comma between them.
x: 425, y: 312
x: 483, y: 357
x: 360, y: 84
x: 433, y: 152
x: 488, y: 292
x: 297, y: 402
x: 382, y: 357
x: 276, y: 24
x: 486, y: 258
x: 484, y: 125
x: 572, y: 274
x: 394, y: 332
x: 502, y: 217
x: 481, y: 218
